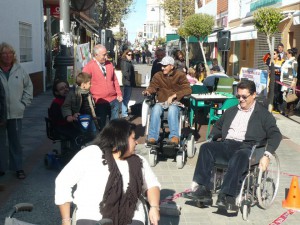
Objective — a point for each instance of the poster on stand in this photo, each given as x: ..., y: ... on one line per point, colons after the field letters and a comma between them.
x: 260, y: 78
x: 82, y: 56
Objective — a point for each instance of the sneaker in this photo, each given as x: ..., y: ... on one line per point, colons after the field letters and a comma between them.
x: 174, y: 140
x: 201, y: 193
x: 151, y: 141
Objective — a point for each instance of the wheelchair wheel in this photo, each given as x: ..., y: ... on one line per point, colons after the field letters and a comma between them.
x: 245, y: 211
x: 268, y: 183
x: 190, y: 146
x: 152, y: 157
x: 180, y: 157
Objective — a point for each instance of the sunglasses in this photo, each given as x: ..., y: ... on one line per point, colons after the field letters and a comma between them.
x: 242, y: 96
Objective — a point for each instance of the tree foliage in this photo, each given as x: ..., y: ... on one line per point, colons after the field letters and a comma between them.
x: 266, y: 20
x: 172, y: 9
x: 111, y: 12
x: 200, y: 26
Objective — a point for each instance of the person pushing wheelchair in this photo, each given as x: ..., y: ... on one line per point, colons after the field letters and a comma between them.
x: 170, y: 86
x: 240, y: 127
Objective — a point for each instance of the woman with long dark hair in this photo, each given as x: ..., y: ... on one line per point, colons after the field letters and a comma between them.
x: 128, y: 79
x: 110, y: 178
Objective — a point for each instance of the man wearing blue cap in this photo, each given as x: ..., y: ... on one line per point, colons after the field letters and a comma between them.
x: 170, y: 86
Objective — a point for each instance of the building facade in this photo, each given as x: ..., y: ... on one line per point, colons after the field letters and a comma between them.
x: 247, y: 45
x: 25, y: 32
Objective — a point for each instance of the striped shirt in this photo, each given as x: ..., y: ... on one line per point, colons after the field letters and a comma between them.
x: 238, y: 127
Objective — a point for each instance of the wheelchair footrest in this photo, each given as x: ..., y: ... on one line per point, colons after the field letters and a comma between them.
x: 199, y: 202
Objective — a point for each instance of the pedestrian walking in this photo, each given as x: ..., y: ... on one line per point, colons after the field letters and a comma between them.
x: 128, y: 79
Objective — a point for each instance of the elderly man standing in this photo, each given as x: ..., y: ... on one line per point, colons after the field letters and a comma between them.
x: 171, y: 86
x: 18, y: 91
x: 105, y: 86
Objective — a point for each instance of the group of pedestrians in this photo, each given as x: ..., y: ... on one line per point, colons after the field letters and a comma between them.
x: 286, y: 67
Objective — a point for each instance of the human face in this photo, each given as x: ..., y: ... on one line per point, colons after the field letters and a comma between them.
x: 167, y: 69
x: 131, y: 145
x: 245, y: 98
x: 275, y: 55
x: 7, y: 57
x: 280, y: 49
x: 129, y: 55
x: 86, y: 86
x: 101, y: 56
x: 160, y: 55
x: 62, y: 89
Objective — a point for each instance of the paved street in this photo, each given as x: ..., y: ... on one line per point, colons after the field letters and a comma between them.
x: 38, y: 187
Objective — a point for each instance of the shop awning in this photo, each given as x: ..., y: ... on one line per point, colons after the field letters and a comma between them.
x: 87, y: 26
x: 243, y: 33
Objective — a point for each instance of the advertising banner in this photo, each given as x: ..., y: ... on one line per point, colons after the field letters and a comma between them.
x: 260, y: 78
x: 82, y: 56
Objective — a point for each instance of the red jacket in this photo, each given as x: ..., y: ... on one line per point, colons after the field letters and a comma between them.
x: 103, y: 89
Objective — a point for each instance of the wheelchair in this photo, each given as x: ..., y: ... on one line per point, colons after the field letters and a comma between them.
x: 257, y: 187
x: 64, y: 147
x: 186, y: 146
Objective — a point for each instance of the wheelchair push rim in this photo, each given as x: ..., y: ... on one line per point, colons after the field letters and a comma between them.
x: 268, y: 183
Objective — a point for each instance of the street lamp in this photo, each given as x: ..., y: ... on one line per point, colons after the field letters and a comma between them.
x: 65, y: 59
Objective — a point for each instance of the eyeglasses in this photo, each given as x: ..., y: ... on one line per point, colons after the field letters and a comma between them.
x: 242, y: 96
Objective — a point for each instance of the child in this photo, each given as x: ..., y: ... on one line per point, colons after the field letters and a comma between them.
x: 191, y: 76
x: 80, y: 101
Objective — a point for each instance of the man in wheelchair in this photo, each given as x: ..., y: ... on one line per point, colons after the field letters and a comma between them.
x: 170, y: 87
x: 240, y: 128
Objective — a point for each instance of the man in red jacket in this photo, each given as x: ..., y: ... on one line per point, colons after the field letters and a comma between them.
x: 105, y: 86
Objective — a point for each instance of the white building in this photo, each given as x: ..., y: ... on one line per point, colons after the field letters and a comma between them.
x: 22, y: 26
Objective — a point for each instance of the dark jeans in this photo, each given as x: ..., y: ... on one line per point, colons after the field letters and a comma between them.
x: 11, y: 157
x: 278, y: 96
x: 236, y: 153
x: 93, y: 222
x: 104, y: 110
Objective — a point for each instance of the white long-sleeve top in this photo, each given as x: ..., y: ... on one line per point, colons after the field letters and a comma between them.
x: 88, y: 172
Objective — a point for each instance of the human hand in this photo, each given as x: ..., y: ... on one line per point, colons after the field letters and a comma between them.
x: 146, y: 93
x: 154, y: 215
x: 120, y: 98
x: 70, y: 119
x: 264, y: 163
x: 171, y: 98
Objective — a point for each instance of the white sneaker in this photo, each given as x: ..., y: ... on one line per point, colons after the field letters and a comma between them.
x: 194, y: 186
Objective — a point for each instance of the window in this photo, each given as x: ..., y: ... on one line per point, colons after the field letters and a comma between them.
x: 25, y: 32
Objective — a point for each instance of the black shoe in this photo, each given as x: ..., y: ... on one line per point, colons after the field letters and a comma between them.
x: 221, y: 201
x: 226, y: 202
x: 202, y: 193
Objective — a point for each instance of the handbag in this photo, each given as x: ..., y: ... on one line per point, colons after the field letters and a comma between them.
x: 291, y: 96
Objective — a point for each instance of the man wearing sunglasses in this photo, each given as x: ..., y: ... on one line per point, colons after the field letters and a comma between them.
x: 240, y: 127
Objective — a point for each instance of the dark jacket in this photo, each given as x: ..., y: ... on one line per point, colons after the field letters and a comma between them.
x: 73, y: 101
x: 128, y: 75
x: 261, y: 127
x: 2, y: 104
x: 166, y: 85
x: 156, y: 67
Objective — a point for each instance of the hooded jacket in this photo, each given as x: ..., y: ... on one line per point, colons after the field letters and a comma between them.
x: 18, y: 90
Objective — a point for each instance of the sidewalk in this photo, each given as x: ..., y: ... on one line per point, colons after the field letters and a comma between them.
x: 38, y: 187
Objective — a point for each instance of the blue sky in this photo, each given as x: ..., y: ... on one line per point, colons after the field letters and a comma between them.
x: 136, y: 18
